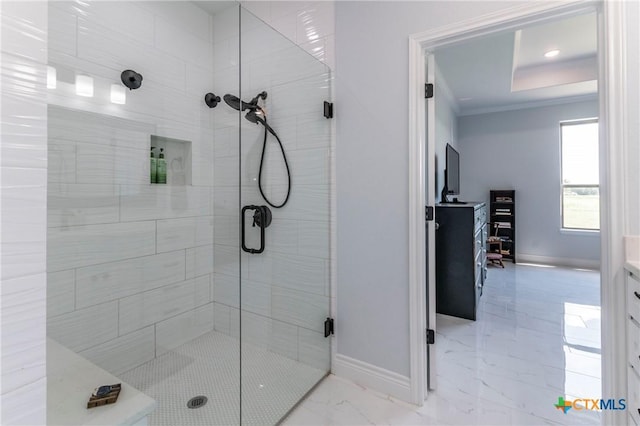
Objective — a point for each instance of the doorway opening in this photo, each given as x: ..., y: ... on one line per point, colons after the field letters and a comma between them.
x: 421, y: 45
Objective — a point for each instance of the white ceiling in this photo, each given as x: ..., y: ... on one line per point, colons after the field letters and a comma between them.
x: 509, y: 70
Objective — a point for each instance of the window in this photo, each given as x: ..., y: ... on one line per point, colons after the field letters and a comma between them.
x: 580, y: 175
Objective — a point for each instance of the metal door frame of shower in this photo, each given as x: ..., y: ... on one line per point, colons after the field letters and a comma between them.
x: 613, y: 138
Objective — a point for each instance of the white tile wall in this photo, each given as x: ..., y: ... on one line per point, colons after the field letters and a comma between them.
x: 24, y: 31
x: 125, y: 352
x: 26, y: 405
x: 153, y: 202
x: 22, y: 348
x: 119, y: 247
x: 101, y: 44
x: 314, y: 349
x: 199, y: 261
x: 226, y: 289
x: 191, y: 19
x: 61, y: 292
x: 84, y: 328
x: 78, y: 246
x: 176, y: 234
x: 256, y: 297
x: 153, y: 306
x: 23, y: 187
x: 284, y: 339
x: 183, y: 328
x: 222, y: 318
x: 62, y: 161
x: 80, y: 204
x: 299, y: 308
x: 175, y: 41
x: 115, y: 280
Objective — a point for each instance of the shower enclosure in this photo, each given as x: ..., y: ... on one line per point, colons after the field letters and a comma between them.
x: 179, y: 288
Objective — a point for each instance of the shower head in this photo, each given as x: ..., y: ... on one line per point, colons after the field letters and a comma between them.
x: 131, y: 79
x: 239, y: 105
x: 235, y: 103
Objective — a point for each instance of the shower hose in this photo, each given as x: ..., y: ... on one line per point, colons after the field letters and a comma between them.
x: 267, y: 130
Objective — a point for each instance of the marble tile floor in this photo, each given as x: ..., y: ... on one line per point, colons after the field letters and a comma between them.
x: 537, y: 338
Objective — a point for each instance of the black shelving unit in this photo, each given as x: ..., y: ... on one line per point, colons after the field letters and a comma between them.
x: 502, y: 218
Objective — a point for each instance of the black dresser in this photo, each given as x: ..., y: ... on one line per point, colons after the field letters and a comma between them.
x: 461, y: 262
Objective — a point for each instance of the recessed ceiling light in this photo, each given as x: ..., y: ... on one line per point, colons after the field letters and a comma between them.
x: 552, y: 53
x: 464, y: 99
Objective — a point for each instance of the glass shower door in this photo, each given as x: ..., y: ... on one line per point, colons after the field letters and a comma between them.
x: 285, y: 222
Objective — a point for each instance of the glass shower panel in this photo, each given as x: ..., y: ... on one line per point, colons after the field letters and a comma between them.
x: 285, y: 281
x: 136, y: 282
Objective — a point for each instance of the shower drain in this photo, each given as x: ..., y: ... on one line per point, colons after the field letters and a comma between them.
x: 197, y: 401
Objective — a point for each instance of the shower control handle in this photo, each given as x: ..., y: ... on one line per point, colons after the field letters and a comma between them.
x: 262, y: 219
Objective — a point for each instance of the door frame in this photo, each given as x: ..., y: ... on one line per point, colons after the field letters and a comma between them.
x: 612, y: 87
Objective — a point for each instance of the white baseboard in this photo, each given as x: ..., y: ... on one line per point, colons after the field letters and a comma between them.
x: 370, y: 376
x: 558, y: 261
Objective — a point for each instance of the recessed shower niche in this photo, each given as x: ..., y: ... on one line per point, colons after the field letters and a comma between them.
x: 177, y: 157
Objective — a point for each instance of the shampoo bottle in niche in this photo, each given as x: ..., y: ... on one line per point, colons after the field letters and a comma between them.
x: 153, y: 167
x: 161, y: 173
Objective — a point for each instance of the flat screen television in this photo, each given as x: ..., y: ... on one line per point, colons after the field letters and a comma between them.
x: 452, y: 171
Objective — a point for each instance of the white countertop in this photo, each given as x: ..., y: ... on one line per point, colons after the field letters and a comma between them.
x: 632, y: 254
x: 70, y: 381
x: 633, y: 267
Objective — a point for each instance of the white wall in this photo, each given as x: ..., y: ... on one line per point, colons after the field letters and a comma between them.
x: 521, y: 150
x: 23, y: 224
x: 372, y: 162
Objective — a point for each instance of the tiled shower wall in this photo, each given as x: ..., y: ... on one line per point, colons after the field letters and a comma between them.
x: 23, y: 186
x: 129, y: 263
x: 143, y: 255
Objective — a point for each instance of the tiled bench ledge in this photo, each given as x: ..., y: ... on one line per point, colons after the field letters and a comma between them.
x: 70, y: 381
x: 632, y: 254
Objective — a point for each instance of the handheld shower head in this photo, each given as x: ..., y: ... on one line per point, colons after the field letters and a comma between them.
x: 255, y: 116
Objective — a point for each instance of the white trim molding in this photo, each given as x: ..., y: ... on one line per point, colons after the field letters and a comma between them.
x: 612, y: 90
x: 417, y: 232
x: 558, y: 261
x: 373, y: 377
x: 614, y: 138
